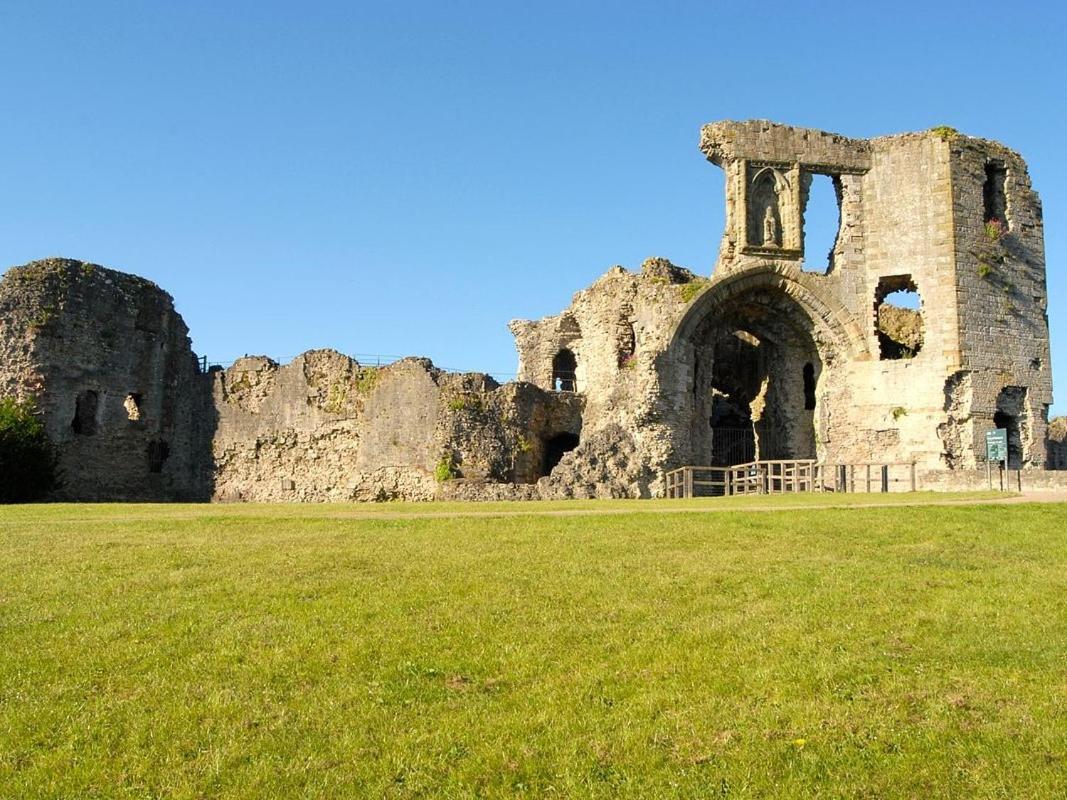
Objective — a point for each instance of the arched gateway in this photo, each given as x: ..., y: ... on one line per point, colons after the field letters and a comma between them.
x: 754, y: 347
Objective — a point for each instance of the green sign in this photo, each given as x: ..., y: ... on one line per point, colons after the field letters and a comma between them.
x: 996, y: 444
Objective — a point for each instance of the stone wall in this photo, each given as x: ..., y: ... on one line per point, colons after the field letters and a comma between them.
x: 108, y: 362
x: 1057, y: 443
x: 779, y: 354
x: 324, y: 427
x: 1002, y: 302
x: 978, y: 480
x: 829, y: 369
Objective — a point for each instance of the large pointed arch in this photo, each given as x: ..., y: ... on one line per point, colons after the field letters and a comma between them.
x: 746, y: 362
x: 835, y: 325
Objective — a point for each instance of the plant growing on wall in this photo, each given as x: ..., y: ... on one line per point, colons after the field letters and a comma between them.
x: 446, y: 469
x: 995, y: 230
x: 28, y: 462
x: 945, y: 132
x: 367, y: 380
x: 689, y: 291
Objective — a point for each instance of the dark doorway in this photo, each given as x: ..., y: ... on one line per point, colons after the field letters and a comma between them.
x: 1015, y: 449
x: 85, y: 408
x: 556, y: 447
x: 158, y: 452
x: 1012, y: 416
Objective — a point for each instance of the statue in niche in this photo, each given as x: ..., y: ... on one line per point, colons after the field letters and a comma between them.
x: 770, y: 228
x: 764, y: 220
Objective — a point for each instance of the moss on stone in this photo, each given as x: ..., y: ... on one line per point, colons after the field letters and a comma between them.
x: 689, y: 291
x: 945, y: 132
x: 337, y: 398
x: 367, y: 380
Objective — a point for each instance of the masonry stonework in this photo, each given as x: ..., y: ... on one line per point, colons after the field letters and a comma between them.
x: 923, y: 328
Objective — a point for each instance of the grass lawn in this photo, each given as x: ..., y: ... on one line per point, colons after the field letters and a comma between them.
x: 342, y: 651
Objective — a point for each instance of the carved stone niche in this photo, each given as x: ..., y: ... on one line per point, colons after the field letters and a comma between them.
x: 771, y: 203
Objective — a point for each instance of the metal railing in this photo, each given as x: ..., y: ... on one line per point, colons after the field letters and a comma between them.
x: 786, y: 476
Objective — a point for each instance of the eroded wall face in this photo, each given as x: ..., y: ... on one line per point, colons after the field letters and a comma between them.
x: 324, y: 427
x: 1002, y: 301
x: 894, y: 230
x: 781, y: 353
x: 620, y: 330
x: 108, y: 362
x: 890, y: 407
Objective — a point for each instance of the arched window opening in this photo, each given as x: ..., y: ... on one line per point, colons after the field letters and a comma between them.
x: 565, y: 371
x: 86, y: 406
x: 556, y: 447
x: 809, y: 387
x: 898, y: 315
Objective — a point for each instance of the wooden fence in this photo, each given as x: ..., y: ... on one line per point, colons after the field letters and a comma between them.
x: 789, y: 476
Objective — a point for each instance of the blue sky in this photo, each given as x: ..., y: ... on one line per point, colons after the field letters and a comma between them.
x: 404, y: 178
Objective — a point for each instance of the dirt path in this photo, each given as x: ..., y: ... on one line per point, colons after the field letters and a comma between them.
x: 1035, y: 497
x: 327, y: 511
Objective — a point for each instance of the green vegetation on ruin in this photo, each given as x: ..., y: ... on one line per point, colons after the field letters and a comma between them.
x: 348, y: 651
x: 29, y: 467
x: 337, y: 398
x: 445, y: 469
x: 689, y: 291
x: 367, y: 379
x: 469, y: 401
x: 945, y: 132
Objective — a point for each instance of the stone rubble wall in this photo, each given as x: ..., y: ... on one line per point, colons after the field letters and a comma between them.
x: 325, y: 428
x: 618, y: 328
x: 651, y: 349
x: 71, y: 329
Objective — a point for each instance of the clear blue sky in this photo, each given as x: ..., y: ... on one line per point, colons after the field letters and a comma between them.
x: 404, y: 178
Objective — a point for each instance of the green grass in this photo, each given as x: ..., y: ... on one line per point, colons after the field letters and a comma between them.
x: 343, y: 651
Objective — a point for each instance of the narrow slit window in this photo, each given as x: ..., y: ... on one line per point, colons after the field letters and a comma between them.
x: 994, y: 194
x: 809, y: 387
x: 132, y: 404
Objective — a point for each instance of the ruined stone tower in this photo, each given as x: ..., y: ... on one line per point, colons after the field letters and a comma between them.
x: 786, y: 353
x: 781, y: 353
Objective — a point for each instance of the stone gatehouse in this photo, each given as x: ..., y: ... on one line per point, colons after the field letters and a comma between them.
x: 924, y: 327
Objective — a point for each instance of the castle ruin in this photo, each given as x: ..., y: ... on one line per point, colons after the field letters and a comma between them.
x: 781, y: 353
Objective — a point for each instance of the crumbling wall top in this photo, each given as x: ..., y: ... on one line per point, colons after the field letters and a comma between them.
x: 761, y: 140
